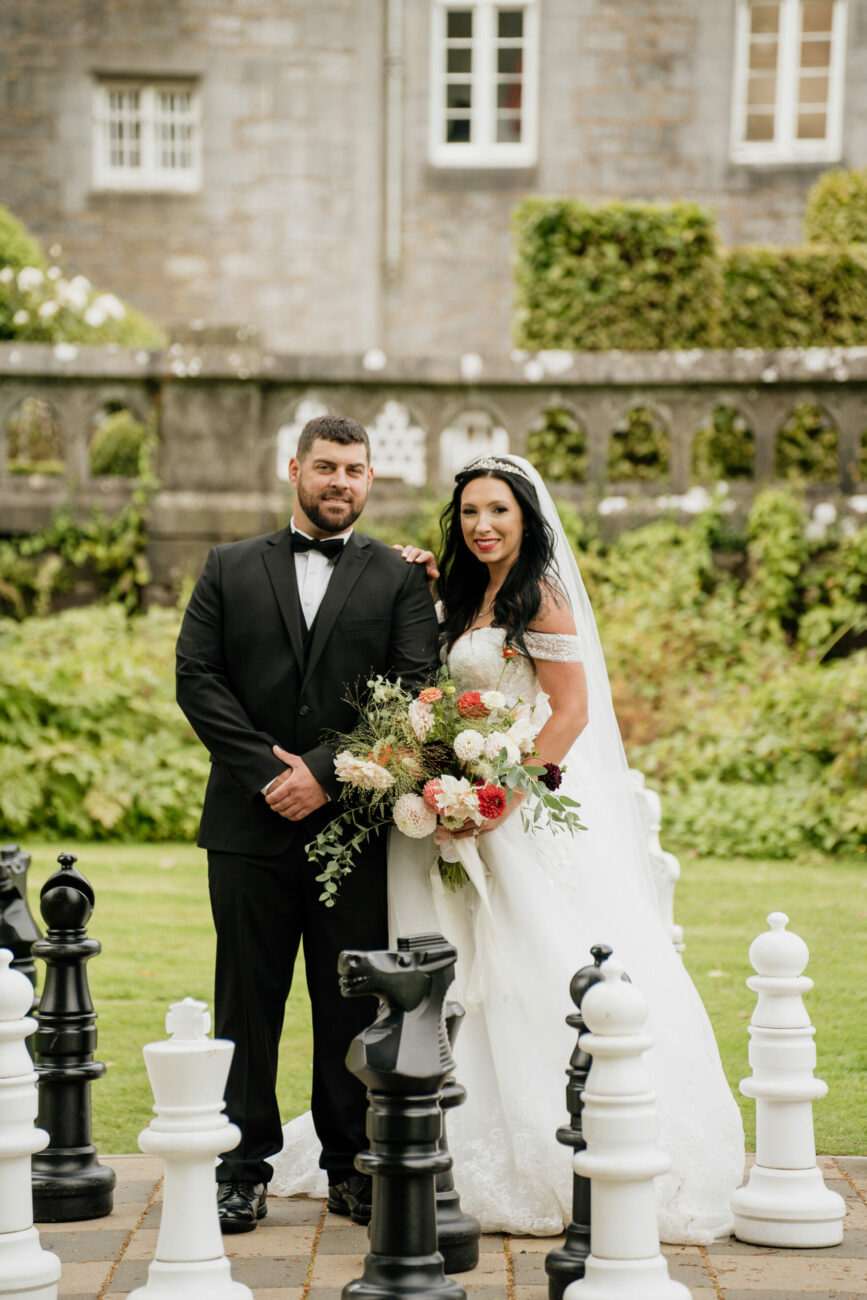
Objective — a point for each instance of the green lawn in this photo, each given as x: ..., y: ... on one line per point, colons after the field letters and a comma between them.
x: 153, y: 921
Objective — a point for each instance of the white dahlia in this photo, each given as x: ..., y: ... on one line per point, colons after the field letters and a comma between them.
x: 497, y: 741
x: 421, y: 719
x: 362, y: 774
x: 412, y: 817
x: 468, y: 745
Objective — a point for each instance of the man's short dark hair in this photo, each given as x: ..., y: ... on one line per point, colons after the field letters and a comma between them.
x: 333, y: 428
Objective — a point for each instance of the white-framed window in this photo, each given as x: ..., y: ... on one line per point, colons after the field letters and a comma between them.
x: 790, y: 59
x: 146, y: 135
x: 484, y: 83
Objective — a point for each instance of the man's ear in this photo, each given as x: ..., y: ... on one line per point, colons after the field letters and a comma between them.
x: 294, y: 466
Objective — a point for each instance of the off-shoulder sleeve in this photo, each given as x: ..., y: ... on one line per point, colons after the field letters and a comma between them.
x: 558, y: 647
x: 440, y: 612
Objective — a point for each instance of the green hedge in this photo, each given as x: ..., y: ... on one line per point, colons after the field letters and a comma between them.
x: 810, y: 296
x: 650, y: 276
x: 837, y: 208
x: 622, y: 275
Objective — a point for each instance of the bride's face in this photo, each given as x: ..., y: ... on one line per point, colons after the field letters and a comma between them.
x: 491, y: 521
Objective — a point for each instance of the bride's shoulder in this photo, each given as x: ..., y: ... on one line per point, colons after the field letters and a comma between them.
x: 552, y: 635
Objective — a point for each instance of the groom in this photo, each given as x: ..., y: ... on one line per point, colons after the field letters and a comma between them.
x: 277, y: 630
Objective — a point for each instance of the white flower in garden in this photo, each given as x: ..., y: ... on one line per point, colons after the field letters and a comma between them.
x: 7, y: 275
x: 412, y: 817
x: 457, y: 799
x: 112, y: 306
x: 95, y: 316
x: 29, y: 277
x: 74, y: 293
x: 21, y: 317
x: 364, y: 775
x: 421, y: 719
x: 468, y: 745
x: 54, y: 273
x: 49, y: 309
x: 497, y: 741
x: 493, y: 699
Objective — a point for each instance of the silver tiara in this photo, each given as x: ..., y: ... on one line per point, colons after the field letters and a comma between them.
x: 499, y: 466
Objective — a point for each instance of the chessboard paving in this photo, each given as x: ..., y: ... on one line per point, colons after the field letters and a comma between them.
x: 300, y: 1252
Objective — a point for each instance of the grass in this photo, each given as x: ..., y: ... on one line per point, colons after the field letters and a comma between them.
x: 153, y: 920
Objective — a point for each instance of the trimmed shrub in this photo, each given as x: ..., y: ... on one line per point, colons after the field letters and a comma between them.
x: 724, y: 448
x: 837, y: 208
x: 620, y: 275
x: 558, y: 448
x: 116, y: 445
x: 794, y: 297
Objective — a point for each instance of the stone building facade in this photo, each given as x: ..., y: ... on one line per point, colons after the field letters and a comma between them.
x: 340, y: 173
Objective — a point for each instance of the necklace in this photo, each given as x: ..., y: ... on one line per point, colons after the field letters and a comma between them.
x: 487, y: 609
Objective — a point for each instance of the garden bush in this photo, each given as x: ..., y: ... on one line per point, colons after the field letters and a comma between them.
x: 117, y: 445
x: 639, y: 450
x: 837, y: 208
x: 809, y: 296
x: 558, y: 447
x: 724, y: 448
x: 620, y: 275
x: 39, y: 304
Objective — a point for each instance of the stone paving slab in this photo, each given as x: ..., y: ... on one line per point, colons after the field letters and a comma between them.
x: 300, y: 1252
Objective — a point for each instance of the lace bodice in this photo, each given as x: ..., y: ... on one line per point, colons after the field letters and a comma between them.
x: 476, y: 661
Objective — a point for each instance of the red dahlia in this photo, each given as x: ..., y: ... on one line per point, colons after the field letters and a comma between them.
x: 492, y: 801
x: 470, y: 705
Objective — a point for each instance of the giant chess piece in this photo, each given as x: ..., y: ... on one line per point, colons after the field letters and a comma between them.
x: 68, y: 1180
x: 26, y: 1270
x: 664, y: 865
x: 188, y: 1076
x: 458, y: 1234
x: 18, y: 930
x: 403, y: 1058
x: 565, y: 1264
x: 785, y: 1202
x: 622, y: 1159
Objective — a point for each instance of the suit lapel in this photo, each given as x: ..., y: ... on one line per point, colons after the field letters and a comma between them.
x: 280, y: 563
x: 343, y: 579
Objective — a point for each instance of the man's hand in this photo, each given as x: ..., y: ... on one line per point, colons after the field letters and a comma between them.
x: 414, y: 555
x: 296, y: 793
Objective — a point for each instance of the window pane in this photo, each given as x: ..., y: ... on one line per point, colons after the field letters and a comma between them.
x: 509, y: 94
x: 760, y: 126
x: 815, y: 54
x: 509, y: 60
x: 510, y: 24
x: 817, y: 15
x: 813, y: 90
x: 762, y: 90
x: 459, y: 23
x: 508, y: 129
x: 458, y: 130
x: 459, y: 60
x: 763, y: 55
x: 459, y: 95
x: 811, y: 126
x: 765, y: 17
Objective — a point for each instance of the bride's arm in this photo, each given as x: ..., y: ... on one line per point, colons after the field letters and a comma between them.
x: 563, y: 681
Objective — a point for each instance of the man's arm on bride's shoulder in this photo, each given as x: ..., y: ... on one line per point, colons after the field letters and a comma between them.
x: 414, y: 630
x: 563, y: 681
x: 204, y: 693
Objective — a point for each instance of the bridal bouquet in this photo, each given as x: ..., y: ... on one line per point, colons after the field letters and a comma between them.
x: 438, y: 757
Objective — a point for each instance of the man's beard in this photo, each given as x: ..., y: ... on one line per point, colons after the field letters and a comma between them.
x: 312, y: 507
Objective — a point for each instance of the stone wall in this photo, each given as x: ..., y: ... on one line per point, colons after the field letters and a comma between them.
x: 227, y: 420
x: 287, y: 231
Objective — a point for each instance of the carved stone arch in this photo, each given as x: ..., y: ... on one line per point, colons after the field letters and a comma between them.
x: 718, y: 449
x: 636, y: 400
x: 559, y: 448
x: 291, y: 413
x: 398, y: 441
x: 625, y: 462
x: 33, y: 433
x: 464, y: 402
x: 120, y: 399
x: 471, y: 430
x: 807, y: 442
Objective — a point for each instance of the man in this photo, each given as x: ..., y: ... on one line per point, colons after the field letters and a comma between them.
x: 277, y: 628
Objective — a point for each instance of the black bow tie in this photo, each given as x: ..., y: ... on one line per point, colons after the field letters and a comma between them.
x: 330, y: 547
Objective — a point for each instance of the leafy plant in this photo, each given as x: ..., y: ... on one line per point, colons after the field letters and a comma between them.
x: 117, y: 444
x: 837, y: 208
x: 558, y: 448
x: 807, y: 446
x: 34, y: 442
x: 723, y: 448
x: 639, y: 448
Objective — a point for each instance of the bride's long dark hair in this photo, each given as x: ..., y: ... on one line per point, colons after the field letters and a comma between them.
x: 464, y: 578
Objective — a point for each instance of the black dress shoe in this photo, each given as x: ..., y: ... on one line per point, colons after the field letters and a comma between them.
x: 240, y: 1206
x: 352, y: 1197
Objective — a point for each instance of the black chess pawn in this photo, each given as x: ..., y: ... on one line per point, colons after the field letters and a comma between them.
x: 18, y: 930
x: 403, y: 1058
x: 565, y: 1263
x: 457, y: 1233
x: 68, y: 1181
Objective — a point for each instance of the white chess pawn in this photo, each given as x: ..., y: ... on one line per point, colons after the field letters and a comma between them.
x: 27, y: 1272
x: 188, y: 1077
x: 620, y: 1126
x: 664, y: 865
x: 785, y: 1201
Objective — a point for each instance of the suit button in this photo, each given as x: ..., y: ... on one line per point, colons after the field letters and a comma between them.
x: 304, y: 710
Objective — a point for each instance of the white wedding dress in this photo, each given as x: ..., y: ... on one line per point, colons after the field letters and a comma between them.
x: 550, y: 897
x: 536, y: 904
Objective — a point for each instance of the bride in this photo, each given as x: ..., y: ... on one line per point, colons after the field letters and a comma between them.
x: 509, y: 582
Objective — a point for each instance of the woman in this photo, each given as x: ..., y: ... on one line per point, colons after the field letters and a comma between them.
x: 509, y: 582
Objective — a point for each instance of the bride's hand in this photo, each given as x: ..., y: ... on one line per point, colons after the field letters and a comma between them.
x: 442, y: 834
x: 415, y: 555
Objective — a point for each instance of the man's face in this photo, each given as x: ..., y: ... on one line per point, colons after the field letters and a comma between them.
x: 331, y: 486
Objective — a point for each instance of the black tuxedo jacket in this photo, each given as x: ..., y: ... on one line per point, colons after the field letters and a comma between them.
x: 245, y: 682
